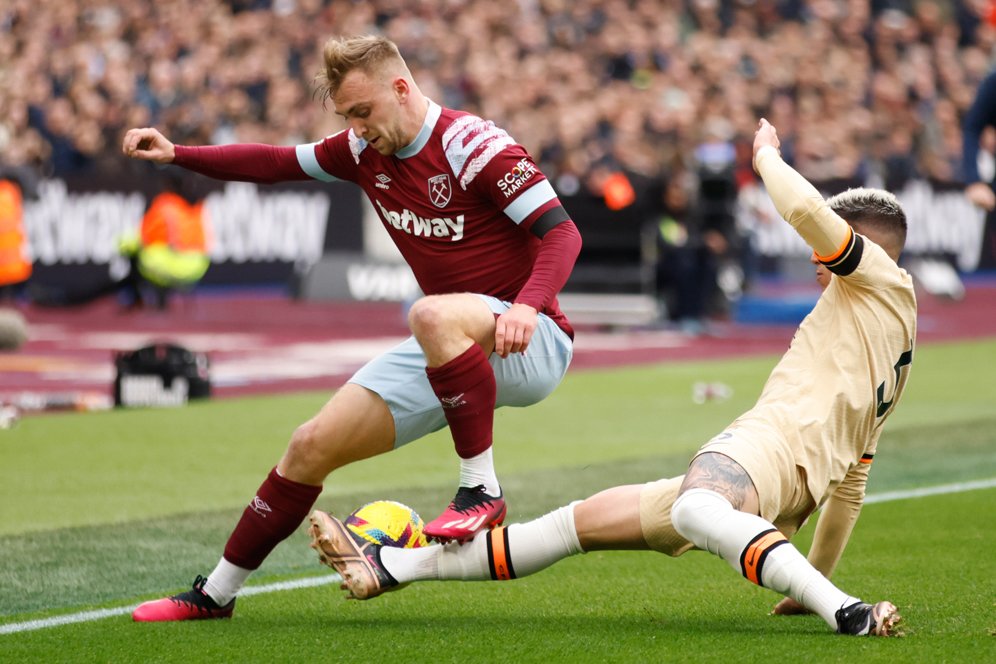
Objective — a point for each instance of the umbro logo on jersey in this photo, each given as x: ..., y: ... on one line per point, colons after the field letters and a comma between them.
x: 439, y: 190
x: 383, y: 182
x: 259, y: 506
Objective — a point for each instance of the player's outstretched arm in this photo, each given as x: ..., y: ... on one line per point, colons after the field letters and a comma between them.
x: 245, y: 162
x: 797, y: 201
x: 149, y: 144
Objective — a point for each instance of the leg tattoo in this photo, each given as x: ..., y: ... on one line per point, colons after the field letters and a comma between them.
x: 719, y: 473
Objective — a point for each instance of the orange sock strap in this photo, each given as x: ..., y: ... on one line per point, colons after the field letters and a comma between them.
x: 754, y: 554
x: 499, y: 560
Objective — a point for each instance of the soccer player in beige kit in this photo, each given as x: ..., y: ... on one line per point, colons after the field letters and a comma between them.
x: 808, y: 442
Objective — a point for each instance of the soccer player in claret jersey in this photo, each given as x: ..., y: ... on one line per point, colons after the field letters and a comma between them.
x: 808, y: 442
x: 490, y: 246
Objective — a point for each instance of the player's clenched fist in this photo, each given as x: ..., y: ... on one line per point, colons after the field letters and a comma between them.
x: 765, y: 136
x: 514, y: 329
x: 147, y: 143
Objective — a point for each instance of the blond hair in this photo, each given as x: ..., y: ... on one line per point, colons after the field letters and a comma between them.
x: 874, y: 210
x: 342, y: 55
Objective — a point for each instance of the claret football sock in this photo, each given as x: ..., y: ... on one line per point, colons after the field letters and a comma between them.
x: 277, y: 509
x: 467, y: 390
x: 756, y: 549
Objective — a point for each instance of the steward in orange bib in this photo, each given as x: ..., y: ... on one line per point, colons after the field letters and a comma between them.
x: 171, y: 250
x: 15, y: 266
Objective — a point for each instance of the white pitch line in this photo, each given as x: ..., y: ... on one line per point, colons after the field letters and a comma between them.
x: 90, y: 616
x: 325, y: 579
x: 957, y: 487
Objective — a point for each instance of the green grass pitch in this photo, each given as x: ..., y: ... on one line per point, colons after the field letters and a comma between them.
x: 100, y: 511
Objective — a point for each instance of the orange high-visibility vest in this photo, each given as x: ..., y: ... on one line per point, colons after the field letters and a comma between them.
x: 172, y: 220
x: 618, y: 192
x: 14, y: 264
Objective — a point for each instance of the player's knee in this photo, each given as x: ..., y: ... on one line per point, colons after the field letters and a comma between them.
x: 682, y: 517
x: 695, y: 511
x: 426, y: 317
x: 307, y: 457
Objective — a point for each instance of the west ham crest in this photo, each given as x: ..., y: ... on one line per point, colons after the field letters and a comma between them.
x: 439, y: 190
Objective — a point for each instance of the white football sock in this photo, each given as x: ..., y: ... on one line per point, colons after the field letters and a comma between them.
x: 529, y: 547
x: 406, y: 565
x: 225, y: 582
x: 709, y: 521
x: 480, y: 469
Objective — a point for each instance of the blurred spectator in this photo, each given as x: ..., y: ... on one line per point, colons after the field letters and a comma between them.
x: 685, y: 271
x: 978, y: 129
x: 171, y: 251
x: 881, y: 86
x: 695, y: 241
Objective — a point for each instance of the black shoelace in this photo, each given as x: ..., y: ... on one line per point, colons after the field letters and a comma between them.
x: 468, y: 498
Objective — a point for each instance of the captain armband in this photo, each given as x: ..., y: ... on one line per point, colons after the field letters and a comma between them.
x: 846, y: 260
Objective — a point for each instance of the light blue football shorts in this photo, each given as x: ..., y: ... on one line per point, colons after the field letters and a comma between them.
x: 398, y: 376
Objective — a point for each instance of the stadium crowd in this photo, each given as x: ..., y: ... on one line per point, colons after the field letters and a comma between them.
x: 857, y: 88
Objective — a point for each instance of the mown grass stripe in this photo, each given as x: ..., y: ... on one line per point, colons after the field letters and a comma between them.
x: 314, y: 581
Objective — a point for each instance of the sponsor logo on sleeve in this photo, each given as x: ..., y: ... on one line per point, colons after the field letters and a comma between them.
x: 520, y: 174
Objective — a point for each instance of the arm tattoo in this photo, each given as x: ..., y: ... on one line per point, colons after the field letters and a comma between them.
x: 718, y: 472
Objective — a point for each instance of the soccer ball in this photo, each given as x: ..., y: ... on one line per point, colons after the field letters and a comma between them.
x: 388, y: 523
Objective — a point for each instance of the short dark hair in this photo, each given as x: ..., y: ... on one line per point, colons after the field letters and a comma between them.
x: 874, y: 210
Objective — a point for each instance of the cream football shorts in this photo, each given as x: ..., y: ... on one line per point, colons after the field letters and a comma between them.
x: 763, y: 453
